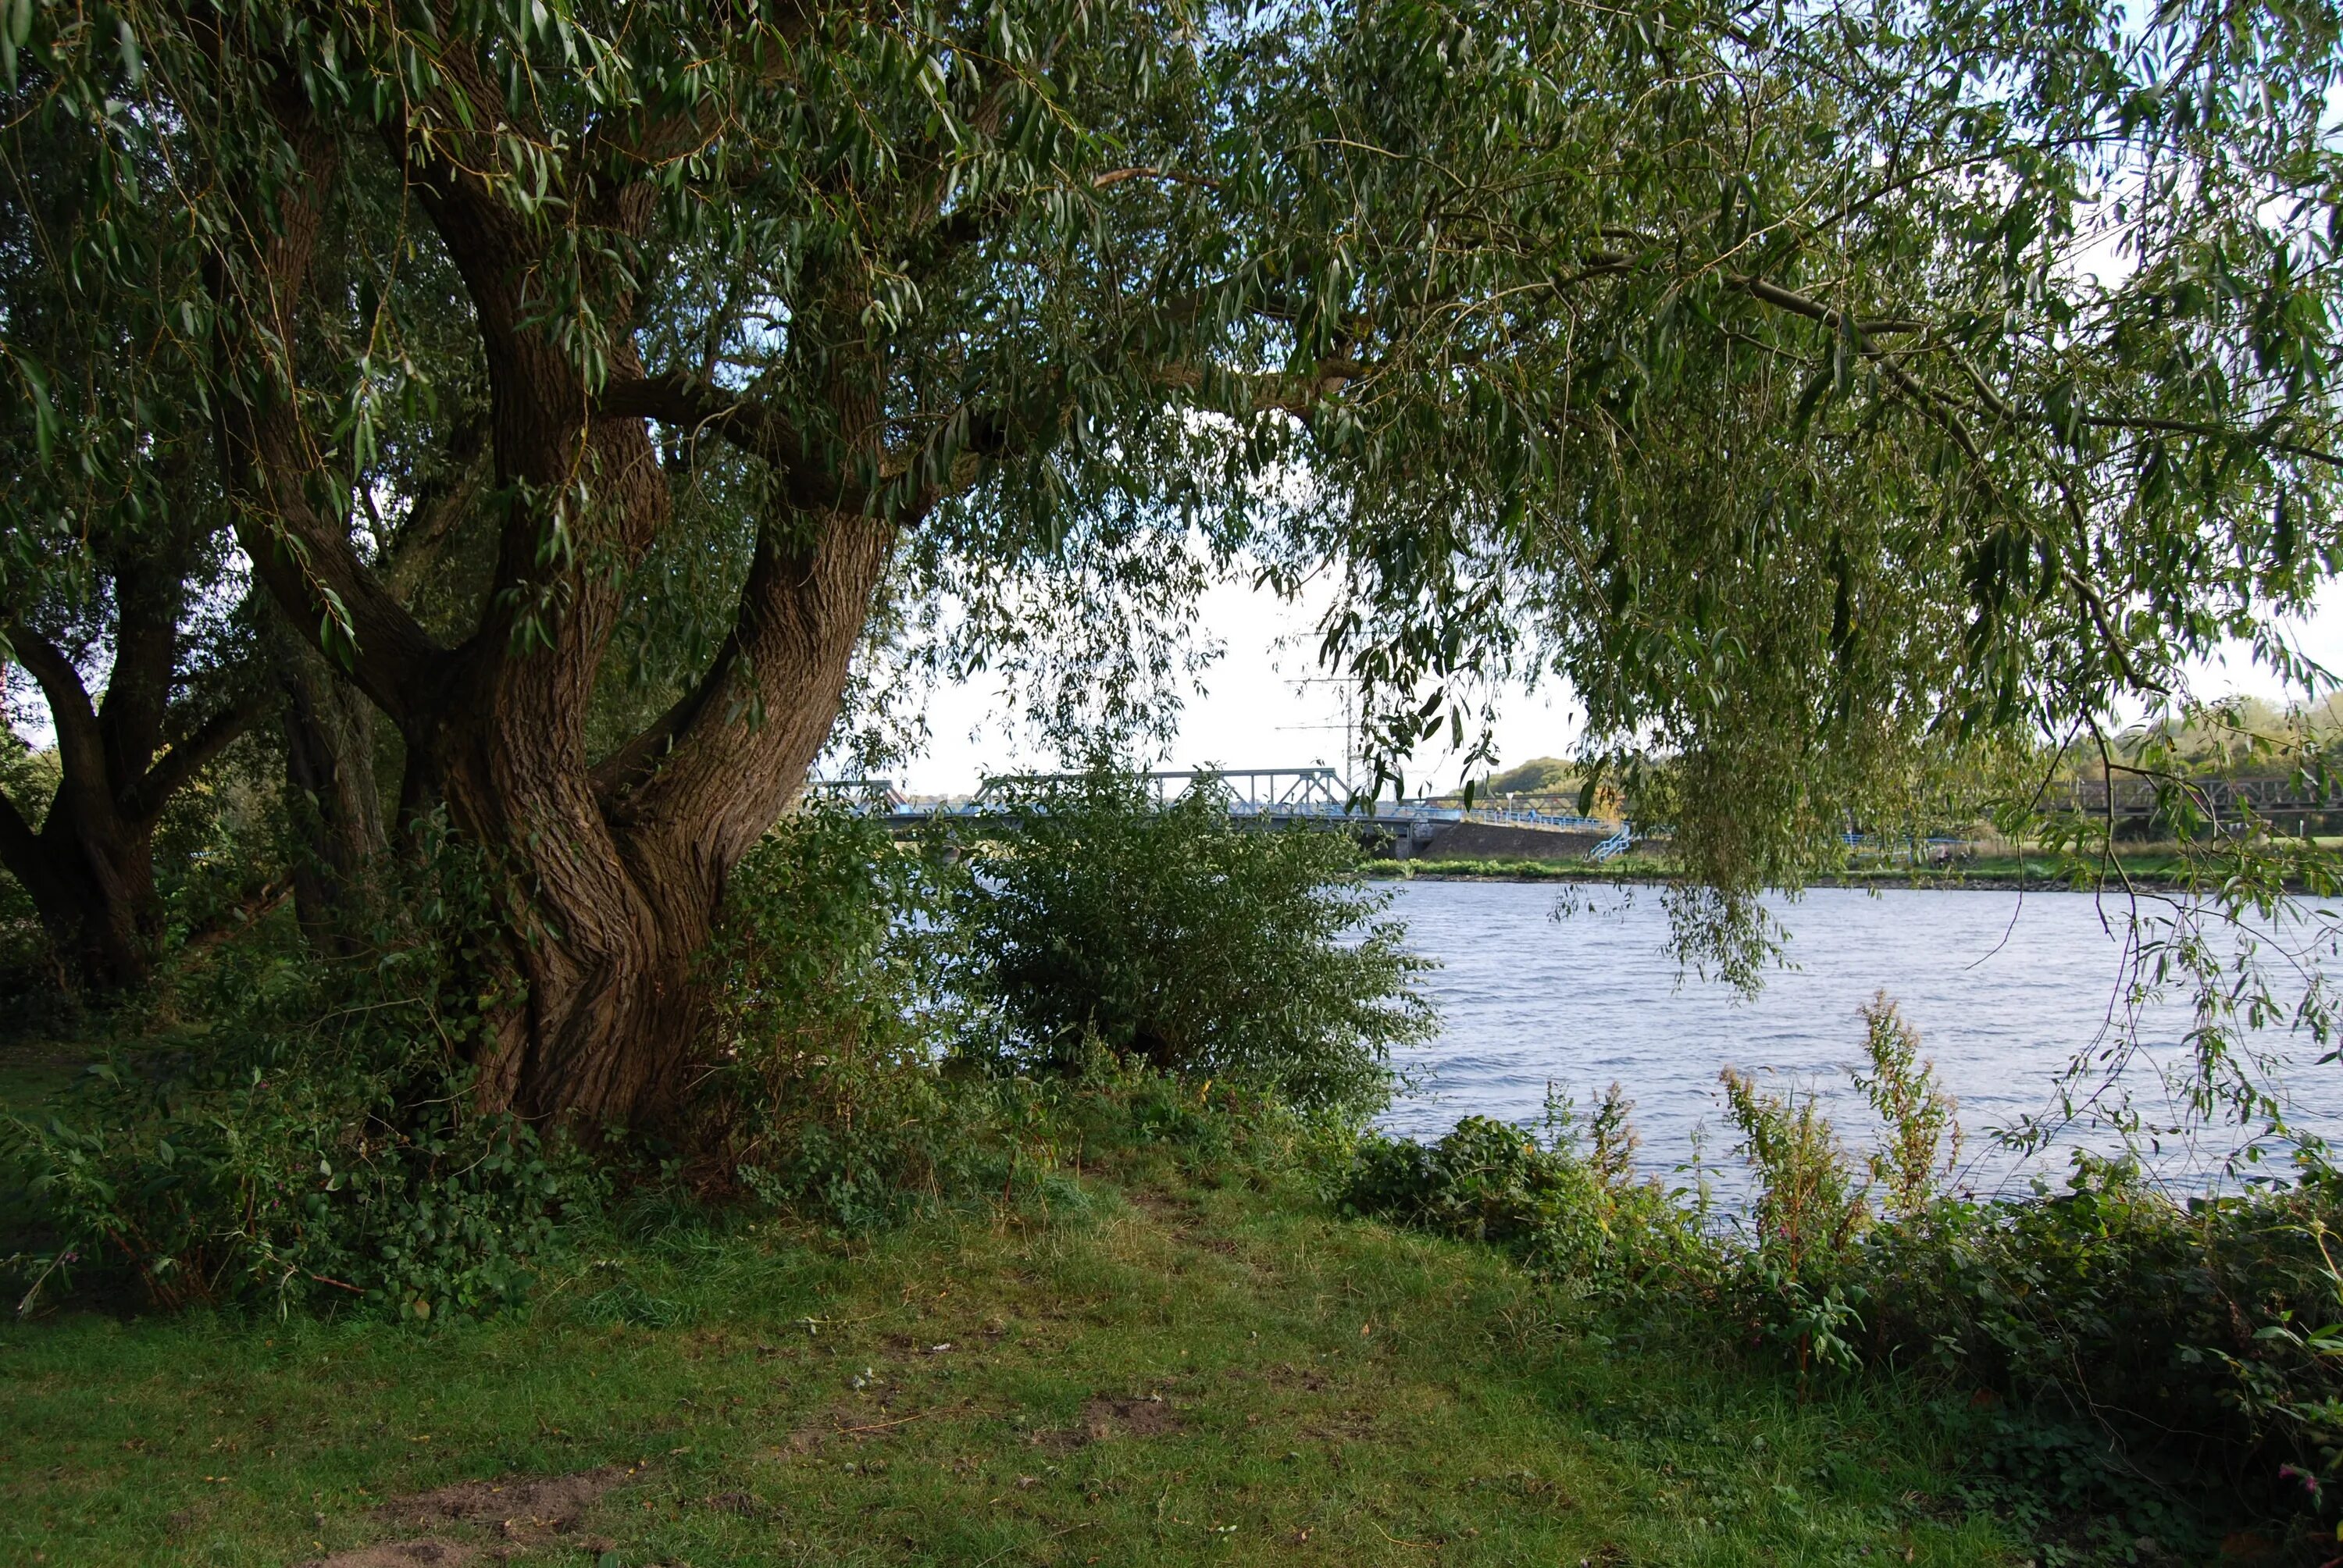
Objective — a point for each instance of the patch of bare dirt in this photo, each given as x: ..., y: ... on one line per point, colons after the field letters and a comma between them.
x: 1285, y: 1375
x: 1151, y: 1417
x: 1104, y: 1418
x: 400, y: 1554
x: 519, y: 1511
x: 518, y: 1507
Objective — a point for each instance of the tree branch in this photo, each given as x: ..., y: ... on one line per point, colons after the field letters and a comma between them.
x: 442, y: 504
x: 190, y: 755
x: 695, y: 404
x: 2199, y: 427
x: 617, y: 775
x: 268, y: 459
x: 80, y: 742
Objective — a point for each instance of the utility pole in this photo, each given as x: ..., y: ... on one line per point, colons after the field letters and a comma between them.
x: 1352, y: 762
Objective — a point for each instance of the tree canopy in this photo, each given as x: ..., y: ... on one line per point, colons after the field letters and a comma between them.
x: 1812, y: 389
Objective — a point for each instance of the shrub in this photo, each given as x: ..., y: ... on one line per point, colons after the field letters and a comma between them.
x: 311, y: 1141
x: 1809, y: 1209
x: 1576, y: 1211
x: 828, y: 964
x: 1188, y: 941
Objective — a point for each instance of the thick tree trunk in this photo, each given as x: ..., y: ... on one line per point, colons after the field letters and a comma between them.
x: 91, y: 876
x: 614, y: 877
x: 336, y: 802
x: 90, y: 869
x: 610, y: 873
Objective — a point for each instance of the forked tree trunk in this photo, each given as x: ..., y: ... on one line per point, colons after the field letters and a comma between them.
x: 90, y: 867
x: 608, y: 873
x: 91, y: 877
x: 612, y: 892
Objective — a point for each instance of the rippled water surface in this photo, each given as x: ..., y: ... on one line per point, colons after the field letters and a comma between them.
x: 2005, y: 992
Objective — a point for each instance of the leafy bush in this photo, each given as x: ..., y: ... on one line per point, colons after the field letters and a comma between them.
x: 1575, y: 1210
x: 311, y: 1142
x: 829, y: 965
x: 1186, y: 940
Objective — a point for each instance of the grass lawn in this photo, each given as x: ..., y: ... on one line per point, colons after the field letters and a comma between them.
x: 1109, y: 1371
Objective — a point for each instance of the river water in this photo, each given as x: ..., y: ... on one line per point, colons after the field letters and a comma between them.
x: 2006, y: 990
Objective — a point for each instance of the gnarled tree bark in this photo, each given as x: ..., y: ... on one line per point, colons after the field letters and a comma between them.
x: 610, y: 873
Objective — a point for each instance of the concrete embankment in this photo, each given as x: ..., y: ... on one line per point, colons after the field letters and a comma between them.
x: 1503, y: 841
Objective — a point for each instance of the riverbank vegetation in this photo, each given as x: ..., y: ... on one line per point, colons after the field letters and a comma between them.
x: 472, y: 463
x: 954, y: 1109
x: 1177, y: 1353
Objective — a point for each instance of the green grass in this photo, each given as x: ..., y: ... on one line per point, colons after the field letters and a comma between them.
x: 1160, y: 1372
x: 33, y: 1068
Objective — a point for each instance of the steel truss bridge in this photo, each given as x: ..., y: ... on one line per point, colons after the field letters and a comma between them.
x: 2218, y: 799
x: 1271, y: 796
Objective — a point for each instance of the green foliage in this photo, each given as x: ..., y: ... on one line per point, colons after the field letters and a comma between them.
x: 2195, y: 1328
x: 1767, y: 379
x: 826, y: 1096
x: 309, y: 1144
x: 1576, y: 1210
x: 2148, y: 1360
x: 1190, y: 941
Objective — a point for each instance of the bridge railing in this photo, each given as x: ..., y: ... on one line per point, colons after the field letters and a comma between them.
x: 2221, y: 797
x: 1316, y: 794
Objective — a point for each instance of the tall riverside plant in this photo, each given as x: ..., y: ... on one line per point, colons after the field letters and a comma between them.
x: 1923, y: 1140
x: 1191, y: 942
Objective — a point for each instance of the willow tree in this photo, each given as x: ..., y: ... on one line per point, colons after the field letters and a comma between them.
x: 1737, y: 363
x: 120, y: 599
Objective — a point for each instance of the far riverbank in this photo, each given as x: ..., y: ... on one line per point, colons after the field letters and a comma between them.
x: 2006, y: 874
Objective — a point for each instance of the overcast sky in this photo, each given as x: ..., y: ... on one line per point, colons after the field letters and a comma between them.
x: 1260, y: 708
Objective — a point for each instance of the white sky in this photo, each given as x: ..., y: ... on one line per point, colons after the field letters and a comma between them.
x: 1263, y: 704
x: 1260, y: 707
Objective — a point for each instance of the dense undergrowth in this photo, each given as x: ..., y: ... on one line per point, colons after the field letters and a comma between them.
x: 2155, y: 1369
x: 278, y: 1126
x: 901, y: 1034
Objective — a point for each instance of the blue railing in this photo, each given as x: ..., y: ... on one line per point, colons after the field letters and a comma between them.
x: 1616, y: 844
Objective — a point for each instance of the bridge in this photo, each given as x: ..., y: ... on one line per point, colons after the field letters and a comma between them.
x: 2219, y: 799
x: 1278, y: 797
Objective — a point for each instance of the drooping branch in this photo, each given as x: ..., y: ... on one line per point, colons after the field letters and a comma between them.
x: 1939, y: 405
x: 1930, y: 403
